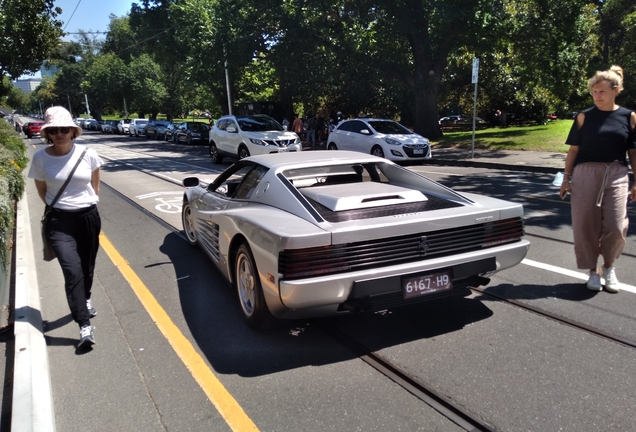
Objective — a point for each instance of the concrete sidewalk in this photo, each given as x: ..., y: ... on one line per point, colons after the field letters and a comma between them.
x: 32, y: 408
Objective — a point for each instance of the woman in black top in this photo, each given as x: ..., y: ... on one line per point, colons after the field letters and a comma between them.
x: 596, y: 175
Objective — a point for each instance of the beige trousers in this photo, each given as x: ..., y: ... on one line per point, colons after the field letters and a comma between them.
x: 599, y: 212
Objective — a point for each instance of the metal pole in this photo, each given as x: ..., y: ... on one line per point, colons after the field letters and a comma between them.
x: 125, y: 108
x: 69, y: 104
x: 88, y: 110
x: 475, y: 79
x: 472, y: 153
x: 227, y: 86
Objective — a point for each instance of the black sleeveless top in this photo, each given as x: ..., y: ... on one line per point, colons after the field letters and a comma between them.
x: 605, y: 136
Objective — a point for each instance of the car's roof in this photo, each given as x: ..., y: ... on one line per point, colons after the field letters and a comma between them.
x: 311, y: 158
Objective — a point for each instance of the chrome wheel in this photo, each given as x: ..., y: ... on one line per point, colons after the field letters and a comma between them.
x: 332, y: 146
x: 246, y: 282
x: 188, y: 223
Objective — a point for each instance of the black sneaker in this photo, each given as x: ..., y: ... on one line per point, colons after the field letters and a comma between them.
x: 86, y: 336
x: 91, y: 309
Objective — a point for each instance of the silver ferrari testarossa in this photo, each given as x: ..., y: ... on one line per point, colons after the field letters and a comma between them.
x: 322, y: 233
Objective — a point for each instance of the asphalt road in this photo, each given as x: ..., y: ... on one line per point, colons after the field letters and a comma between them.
x: 513, y: 369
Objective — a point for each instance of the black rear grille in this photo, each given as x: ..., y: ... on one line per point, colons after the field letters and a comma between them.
x: 298, y: 263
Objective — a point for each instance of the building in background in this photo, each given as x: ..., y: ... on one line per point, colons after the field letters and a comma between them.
x: 27, y: 85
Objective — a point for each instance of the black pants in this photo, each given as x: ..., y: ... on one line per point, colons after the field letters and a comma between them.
x: 74, y: 236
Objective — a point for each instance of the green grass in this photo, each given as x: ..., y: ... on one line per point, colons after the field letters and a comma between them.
x: 548, y: 138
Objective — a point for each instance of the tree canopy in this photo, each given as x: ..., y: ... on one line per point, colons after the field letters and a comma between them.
x: 404, y: 59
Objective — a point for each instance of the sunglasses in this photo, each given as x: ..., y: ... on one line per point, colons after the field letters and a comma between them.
x: 54, y: 130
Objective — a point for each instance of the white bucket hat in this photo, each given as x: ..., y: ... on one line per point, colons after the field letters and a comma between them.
x: 58, y: 116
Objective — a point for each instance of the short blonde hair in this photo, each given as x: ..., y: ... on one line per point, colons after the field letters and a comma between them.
x: 614, y: 76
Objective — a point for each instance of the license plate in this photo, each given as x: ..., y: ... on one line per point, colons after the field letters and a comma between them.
x: 416, y: 286
x: 418, y: 151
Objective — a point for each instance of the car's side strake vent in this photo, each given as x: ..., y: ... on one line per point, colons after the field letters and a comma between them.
x: 293, y: 264
x: 209, y: 235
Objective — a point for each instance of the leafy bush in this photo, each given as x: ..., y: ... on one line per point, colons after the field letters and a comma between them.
x: 13, y: 161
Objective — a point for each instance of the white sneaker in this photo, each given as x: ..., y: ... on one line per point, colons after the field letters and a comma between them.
x: 86, y: 336
x: 594, y: 281
x: 611, y: 282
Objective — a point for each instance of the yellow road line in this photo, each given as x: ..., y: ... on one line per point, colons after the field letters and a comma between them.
x: 227, y: 406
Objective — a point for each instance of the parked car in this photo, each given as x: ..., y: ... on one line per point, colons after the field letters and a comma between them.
x: 32, y: 128
x: 170, y: 132
x: 451, y: 120
x: 156, y: 128
x: 379, y: 137
x: 90, y: 124
x: 346, y: 234
x: 137, y: 127
x: 122, y: 126
x: 192, y: 132
x: 243, y: 136
x: 109, y: 126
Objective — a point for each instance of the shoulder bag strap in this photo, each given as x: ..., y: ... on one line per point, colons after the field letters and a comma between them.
x: 68, y: 179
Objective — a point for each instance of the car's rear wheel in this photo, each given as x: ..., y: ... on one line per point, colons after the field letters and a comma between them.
x: 188, y: 223
x: 189, y: 140
x: 243, y: 152
x: 249, y: 289
x: 332, y: 146
x: 214, y: 154
x: 377, y: 151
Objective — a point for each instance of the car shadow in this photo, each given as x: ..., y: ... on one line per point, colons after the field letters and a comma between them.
x: 212, y: 312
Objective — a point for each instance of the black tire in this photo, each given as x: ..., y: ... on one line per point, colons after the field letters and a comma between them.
x: 188, y: 223
x: 189, y: 140
x: 377, y: 151
x: 165, y: 138
x: 249, y: 290
x: 214, y: 154
x: 332, y: 146
x: 147, y: 136
x: 243, y: 152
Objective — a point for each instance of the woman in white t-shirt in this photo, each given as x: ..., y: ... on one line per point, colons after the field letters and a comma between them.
x: 73, y: 224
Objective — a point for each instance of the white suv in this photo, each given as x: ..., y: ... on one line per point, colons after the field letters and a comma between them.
x: 243, y: 136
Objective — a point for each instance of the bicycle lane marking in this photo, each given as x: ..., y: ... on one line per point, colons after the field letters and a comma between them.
x: 222, y: 400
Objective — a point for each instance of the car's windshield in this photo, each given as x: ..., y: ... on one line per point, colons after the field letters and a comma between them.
x: 141, y: 122
x: 389, y: 127
x: 258, y: 124
x: 199, y: 127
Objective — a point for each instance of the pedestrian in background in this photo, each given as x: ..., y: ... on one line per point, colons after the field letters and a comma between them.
x: 73, y: 224
x: 311, y: 130
x: 596, y: 175
x: 297, y: 126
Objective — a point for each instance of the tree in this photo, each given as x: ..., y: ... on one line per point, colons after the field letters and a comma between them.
x: 17, y: 99
x: 30, y: 31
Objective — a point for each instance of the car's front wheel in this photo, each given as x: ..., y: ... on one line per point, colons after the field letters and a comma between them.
x: 214, y: 154
x: 332, y: 146
x: 249, y: 289
x: 243, y: 152
x: 377, y: 151
x: 188, y: 223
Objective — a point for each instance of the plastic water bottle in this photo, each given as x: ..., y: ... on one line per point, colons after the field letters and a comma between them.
x: 558, y: 179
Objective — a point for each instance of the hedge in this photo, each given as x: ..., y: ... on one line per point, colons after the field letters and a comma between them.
x: 13, y: 161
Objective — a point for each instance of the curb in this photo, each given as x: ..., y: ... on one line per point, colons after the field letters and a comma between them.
x: 496, y: 165
x: 32, y: 409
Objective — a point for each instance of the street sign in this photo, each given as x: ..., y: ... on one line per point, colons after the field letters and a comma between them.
x: 475, y: 71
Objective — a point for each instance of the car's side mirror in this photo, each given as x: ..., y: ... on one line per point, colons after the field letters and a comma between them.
x: 230, y: 129
x: 190, y: 182
x: 365, y: 132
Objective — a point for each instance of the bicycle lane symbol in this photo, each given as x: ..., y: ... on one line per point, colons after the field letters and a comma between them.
x: 167, y: 202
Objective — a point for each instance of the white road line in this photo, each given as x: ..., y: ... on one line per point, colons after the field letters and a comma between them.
x: 571, y: 273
